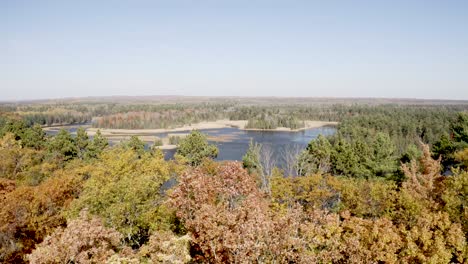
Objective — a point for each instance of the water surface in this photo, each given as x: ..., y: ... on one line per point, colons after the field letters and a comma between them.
x: 233, y: 142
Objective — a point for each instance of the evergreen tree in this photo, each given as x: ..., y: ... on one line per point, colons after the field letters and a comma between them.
x: 195, y: 148
x: 319, y: 154
x: 460, y: 130
x: 96, y: 146
x: 82, y: 142
x: 33, y: 137
x: 343, y: 158
x: 99, y: 141
x: 251, y: 159
x: 135, y: 144
x: 444, y: 148
x: 62, y: 146
x: 15, y: 126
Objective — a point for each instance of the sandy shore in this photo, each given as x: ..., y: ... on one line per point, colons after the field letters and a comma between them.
x: 167, y: 147
x: 147, y: 135
x: 308, y: 125
x: 203, y: 125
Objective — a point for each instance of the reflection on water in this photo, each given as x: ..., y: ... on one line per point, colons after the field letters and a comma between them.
x: 234, y: 142
x: 238, y: 143
x: 70, y: 128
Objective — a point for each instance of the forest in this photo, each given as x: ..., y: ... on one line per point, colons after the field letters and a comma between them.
x: 260, y: 113
x: 390, y: 186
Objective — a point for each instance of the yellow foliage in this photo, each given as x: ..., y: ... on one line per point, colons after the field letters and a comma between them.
x: 456, y: 199
x: 364, y: 198
x: 165, y: 247
x: 422, y: 190
x: 462, y: 157
x: 368, y: 241
x: 370, y: 198
x: 433, y: 239
x: 124, y: 188
x: 25, y: 165
x: 35, y: 211
x: 423, y: 177
x: 313, y: 191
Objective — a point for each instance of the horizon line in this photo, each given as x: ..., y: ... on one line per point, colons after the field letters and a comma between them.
x: 142, y: 97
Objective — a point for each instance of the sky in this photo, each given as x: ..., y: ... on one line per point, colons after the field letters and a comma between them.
x: 393, y: 49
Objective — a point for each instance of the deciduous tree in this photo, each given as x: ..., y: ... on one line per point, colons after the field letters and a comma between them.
x: 84, y: 240
x: 124, y: 189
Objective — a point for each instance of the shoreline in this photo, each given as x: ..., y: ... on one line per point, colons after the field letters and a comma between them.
x: 309, y: 125
x: 198, y: 126
x: 240, y: 124
x: 148, y: 135
x: 65, y: 125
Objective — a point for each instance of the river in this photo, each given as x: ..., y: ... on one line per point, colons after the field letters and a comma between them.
x: 233, y: 142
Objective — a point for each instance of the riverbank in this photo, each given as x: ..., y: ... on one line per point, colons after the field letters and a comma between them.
x: 198, y: 126
x: 150, y: 135
x: 308, y: 125
x: 65, y: 125
x: 231, y: 136
x: 241, y: 124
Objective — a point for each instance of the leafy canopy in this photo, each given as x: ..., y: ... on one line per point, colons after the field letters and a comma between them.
x: 195, y: 148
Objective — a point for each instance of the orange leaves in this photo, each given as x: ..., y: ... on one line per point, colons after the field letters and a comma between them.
x: 422, y: 191
x: 84, y: 240
x: 428, y: 233
x: 365, y: 241
x: 433, y: 239
x: 332, y: 238
x: 165, y: 247
x: 28, y: 213
x: 225, y: 213
x: 422, y: 177
x: 6, y: 186
x: 230, y: 221
x: 310, y: 219
x: 230, y: 185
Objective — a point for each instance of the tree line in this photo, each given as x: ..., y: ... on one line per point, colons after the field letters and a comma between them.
x: 262, y: 115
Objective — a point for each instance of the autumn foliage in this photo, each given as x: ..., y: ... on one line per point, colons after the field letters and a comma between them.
x: 29, y: 213
x: 72, y: 199
x: 84, y: 240
x: 225, y: 213
x: 317, y: 219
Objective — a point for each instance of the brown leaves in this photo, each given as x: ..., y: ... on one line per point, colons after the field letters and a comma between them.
x: 84, y: 240
x: 165, y: 247
x: 366, y: 241
x: 428, y: 233
x: 230, y: 221
x: 422, y: 177
x: 433, y: 239
x: 331, y: 238
x: 310, y: 219
x: 226, y: 214
x: 29, y: 213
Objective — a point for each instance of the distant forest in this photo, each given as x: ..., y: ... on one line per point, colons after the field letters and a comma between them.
x: 260, y: 113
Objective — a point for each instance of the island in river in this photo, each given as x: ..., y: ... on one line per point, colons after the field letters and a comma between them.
x: 231, y: 136
x: 148, y: 135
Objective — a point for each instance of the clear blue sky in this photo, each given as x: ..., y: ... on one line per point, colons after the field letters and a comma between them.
x: 52, y: 49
